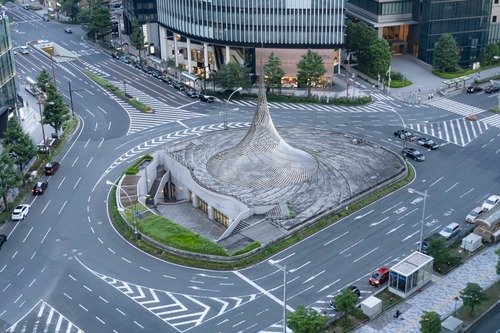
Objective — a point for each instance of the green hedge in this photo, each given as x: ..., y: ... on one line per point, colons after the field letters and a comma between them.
x: 462, y: 72
x: 132, y: 170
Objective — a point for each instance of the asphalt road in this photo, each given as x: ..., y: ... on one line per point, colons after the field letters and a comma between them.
x: 65, y: 267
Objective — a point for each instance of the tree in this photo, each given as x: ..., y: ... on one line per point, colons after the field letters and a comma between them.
x: 19, y: 144
x: 306, y: 321
x: 430, y: 322
x: 100, y: 20
x: 273, y: 71
x: 43, y: 80
x: 489, y: 53
x: 9, y: 176
x: 137, y: 36
x: 380, y: 55
x: 446, y: 54
x: 310, y: 70
x: 233, y: 75
x: 55, y: 111
x: 346, y: 302
x: 473, y: 295
x: 359, y: 37
x: 71, y: 8
x: 438, y: 249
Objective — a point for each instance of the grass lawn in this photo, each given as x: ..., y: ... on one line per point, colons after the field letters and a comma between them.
x: 493, y: 296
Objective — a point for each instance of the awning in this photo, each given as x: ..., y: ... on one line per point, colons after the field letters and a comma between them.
x: 190, y: 76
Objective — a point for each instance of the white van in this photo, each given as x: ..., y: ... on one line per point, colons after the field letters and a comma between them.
x: 24, y: 50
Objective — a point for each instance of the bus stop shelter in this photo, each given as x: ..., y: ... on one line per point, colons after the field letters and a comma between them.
x: 411, y: 274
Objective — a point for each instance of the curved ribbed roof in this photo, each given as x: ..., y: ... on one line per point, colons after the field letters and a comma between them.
x: 262, y: 158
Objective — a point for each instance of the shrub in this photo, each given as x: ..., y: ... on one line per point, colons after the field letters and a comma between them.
x: 247, y: 248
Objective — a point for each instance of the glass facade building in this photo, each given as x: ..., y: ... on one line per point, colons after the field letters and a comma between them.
x: 8, y: 77
x: 467, y: 21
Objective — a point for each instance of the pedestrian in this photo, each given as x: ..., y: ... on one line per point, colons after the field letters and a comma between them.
x: 429, y: 97
x: 432, y: 96
x: 419, y: 99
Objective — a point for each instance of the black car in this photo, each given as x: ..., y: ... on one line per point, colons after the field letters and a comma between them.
x: 427, y: 143
x: 473, y: 88
x: 68, y: 30
x: 3, y: 239
x: 166, y: 79
x: 207, y: 99
x: 353, y: 289
x: 51, y: 168
x: 46, y: 18
x: 405, y: 135
x: 414, y: 154
x: 40, y: 187
x: 115, y: 55
x: 492, y: 88
x: 191, y: 93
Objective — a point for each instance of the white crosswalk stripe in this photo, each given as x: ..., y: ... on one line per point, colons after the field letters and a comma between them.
x: 378, y: 106
x: 493, y: 120
x: 93, y: 69
x: 456, y: 107
x: 380, y: 96
x: 457, y: 131
x: 162, y: 114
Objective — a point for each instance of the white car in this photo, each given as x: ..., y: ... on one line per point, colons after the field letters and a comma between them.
x: 20, y: 212
x: 24, y: 50
x: 474, y: 214
x: 490, y: 202
x: 450, y: 231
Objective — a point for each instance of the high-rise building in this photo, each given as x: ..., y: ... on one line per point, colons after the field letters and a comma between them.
x: 203, y: 35
x: 8, y: 77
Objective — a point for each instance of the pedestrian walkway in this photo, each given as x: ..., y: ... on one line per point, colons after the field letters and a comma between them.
x: 456, y: 107
x: 162, y: 112
x: 457, y: 131
x: 439, y: 296
x: 493, y: 120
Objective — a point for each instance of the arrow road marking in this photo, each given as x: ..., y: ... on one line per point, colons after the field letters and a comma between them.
x: 328, y: 286
x: 410, y: 236
x: 212, y: 276
x: 391, y: 231
x: 377, y: 223
x: 296, y: 269
x: 313, y: 277
x: 361, y: 216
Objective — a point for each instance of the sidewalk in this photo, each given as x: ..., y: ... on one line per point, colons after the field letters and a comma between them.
x: 439, y: 296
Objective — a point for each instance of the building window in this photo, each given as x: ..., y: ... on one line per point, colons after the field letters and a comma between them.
x: 496, y: 2
x: 494, y: 19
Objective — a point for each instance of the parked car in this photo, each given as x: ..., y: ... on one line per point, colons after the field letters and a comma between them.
x: 20, y: 212
x: 354, y: 289
x: 450, y: 231
x: 40, y: 187
x: 115, y: 55
x: 405, y: 135
x: 490, y: 202
x: 426, y: 243
x: 51, y: 168
x: 191, y: 93
x: 3, y: 239
x: 413, y: 154
x: 166, y: 79
x: 68, y: 30
x: 427, y: 143
x: 46, y: 18
x: 27, y: 7
x: 379, y: 277
x: 473, y: 88
x: 125, y: 59
x: 474, y: 214
x: 207, y: 99
x: 492, y: 88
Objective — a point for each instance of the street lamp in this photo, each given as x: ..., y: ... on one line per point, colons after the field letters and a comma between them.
x: 71, y: 97
x: 121, y: 208
x: 424, y: 194
x: 456, y: 300
x: 40, y: 103
x: 227, y: 102
x: 283, y: 269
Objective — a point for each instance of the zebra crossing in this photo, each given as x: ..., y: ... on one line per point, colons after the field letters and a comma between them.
x: 378, y: 106
x: 493, y: 120
x: 178, y: 310
x: 381, y: 97
x: 457, y: 131
x: 456, y: 107
x: 93, y: 69
x: 162, y: 112
x: 44, y: 319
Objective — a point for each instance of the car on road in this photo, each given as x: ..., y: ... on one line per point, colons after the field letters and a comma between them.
x: 125, y: 59
x: 3, y: 239
x: 426, y: 243
x: 40, y: 187
x: 46, y: 18
x: 27, y: 7
x: 68, y: 30
x: 413, y: 154
x: 51, y: 168
x: 492, y: 88
x: 166, y: 79
x: 24, y: 49
x: 427, y: 143
x: 20, y: 212
x: 474, y: 214
x: 191, y: 93
x: 473, y: 88
x: 379, y: 277
x: 179, y: 86
x: 115, y: 55
x: 490, y: 202
x: 353, y: 289
x: 450, y: 231
x: 207, y: 99
x: 405, y: 135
